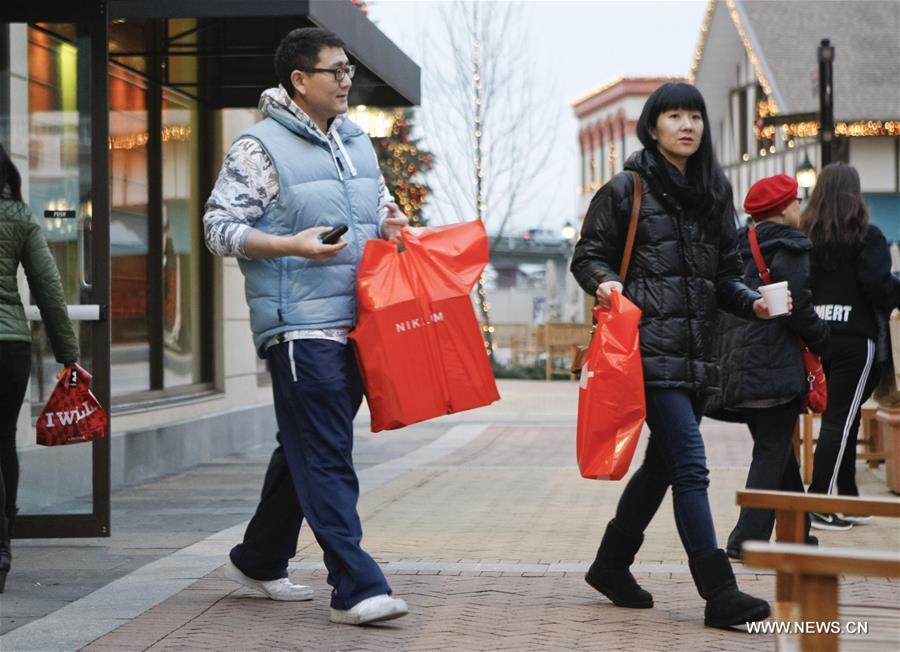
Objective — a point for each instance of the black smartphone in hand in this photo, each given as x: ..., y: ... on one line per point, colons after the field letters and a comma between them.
x: 332, y: 237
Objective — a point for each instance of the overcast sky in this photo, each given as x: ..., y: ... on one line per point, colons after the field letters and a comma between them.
x: 581, y: 45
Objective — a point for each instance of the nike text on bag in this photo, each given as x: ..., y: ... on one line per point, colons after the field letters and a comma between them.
x: 611, y: 407
x: 72, y: 414
x: 816, y: 399
x: 418, y: 343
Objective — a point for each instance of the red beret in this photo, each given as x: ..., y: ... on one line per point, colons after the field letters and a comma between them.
x: 770, y: 196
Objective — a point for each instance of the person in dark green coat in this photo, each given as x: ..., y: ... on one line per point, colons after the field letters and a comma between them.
x: 21, y: 242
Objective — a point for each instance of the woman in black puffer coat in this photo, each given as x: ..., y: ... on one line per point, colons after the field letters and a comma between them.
x: 684, y: 266
x: 763, y: 376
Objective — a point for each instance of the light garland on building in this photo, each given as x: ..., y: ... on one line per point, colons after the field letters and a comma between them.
x: 764, y: 109
x: 751, y: 53
x: 701, y: 42
x: 180, y: 133
x: 856, y: 129
x: 745, y: 39
x: 611, y: 159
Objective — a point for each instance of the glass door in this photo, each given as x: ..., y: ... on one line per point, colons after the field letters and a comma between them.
x: 55, y: 111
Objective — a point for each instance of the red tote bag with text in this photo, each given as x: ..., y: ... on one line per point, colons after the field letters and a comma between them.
x: 611, y: 407
x: 418, y: 343
x: 73, y: 414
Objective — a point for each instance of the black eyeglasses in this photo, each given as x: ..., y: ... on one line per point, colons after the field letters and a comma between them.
x: 339, y: 73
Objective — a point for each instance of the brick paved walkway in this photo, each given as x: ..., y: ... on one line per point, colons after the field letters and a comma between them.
x: 485, y: 611
x: 488, y: 545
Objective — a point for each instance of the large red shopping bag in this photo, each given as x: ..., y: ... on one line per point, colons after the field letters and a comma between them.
x: 611, y: 408
x: 418, y: 343
x: 72, y: 414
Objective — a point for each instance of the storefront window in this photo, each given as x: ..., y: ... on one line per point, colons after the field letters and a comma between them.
x: 182, y: 239
x: 157, y: 262
x: 47, y: 106
x: 128, y: 231
x: 57, y: 181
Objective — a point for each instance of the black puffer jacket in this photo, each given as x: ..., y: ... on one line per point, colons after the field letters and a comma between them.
x: 761, y: 361
x: 680, y: 274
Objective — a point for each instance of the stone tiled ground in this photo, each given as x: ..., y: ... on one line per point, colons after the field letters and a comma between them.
x: 512, y: 501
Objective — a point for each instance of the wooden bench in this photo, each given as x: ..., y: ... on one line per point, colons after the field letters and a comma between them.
x: 790, y: 519
x: 561, y: 338
x: 817, y: 570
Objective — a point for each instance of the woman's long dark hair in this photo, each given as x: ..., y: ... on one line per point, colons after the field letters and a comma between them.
x: 836, y: 213
x: 703, y: 170
x: 9, y: 177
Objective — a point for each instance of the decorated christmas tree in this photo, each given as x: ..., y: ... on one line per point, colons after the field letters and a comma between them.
x: 403, y: 164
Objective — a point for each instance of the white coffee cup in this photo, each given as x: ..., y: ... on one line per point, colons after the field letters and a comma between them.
x: 776, y: 296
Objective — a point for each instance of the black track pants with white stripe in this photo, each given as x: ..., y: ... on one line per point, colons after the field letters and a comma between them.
x: 851, y: 380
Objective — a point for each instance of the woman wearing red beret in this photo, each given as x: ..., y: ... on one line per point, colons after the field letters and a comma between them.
x: 853, y: 292
x: 684, y: 267
x: 763, y: 376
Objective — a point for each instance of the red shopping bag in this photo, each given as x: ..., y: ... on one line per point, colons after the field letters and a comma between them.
x: 418, y: 343
x: 72, y: 414
x: 611, y: 408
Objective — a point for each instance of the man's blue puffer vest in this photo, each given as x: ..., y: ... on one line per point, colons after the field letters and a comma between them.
x: 317, y: 188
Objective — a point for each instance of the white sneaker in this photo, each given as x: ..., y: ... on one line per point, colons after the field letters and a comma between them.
x: 856, y: 518
x: 371, y: 610
x: 282, y: 589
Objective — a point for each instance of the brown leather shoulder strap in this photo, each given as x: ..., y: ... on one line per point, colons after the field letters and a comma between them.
x: 632, y: 230
x: 632, y: 225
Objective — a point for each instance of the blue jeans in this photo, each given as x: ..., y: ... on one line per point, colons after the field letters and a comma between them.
x: 317, y: 391
x: 675, y: 456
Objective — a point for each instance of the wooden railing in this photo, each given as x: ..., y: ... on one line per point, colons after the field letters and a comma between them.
x: 807, y: 575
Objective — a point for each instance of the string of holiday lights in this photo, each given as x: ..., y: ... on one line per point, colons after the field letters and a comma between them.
x: 745, y: 39
x: 403, y: 163
x: 701, y: 42
x: 855, y: 129
x: 139, y: 140
x: 480, y: 206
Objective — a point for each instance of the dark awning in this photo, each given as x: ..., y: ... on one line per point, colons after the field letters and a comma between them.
x: 236, y: 40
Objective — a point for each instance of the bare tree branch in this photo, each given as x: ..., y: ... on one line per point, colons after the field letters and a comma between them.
x: 517, y: 125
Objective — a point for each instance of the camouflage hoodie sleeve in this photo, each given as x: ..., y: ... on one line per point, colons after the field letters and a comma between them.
x: 247, y: 185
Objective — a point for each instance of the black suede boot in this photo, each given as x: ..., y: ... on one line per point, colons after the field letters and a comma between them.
x: 726, y: 605
x: 5, y: 553
x: 609, y: 573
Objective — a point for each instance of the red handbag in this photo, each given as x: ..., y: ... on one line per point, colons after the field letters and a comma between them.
x: 72, y: 414
x: 817, y: 396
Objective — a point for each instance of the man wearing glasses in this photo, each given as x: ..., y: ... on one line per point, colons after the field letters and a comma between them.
x: 286, y: 181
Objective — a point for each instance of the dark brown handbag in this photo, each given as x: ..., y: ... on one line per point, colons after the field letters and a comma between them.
x: 580, y: 352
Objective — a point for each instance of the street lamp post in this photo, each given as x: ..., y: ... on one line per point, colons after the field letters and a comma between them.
x: 806, y: 176
x: 826, y: 99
